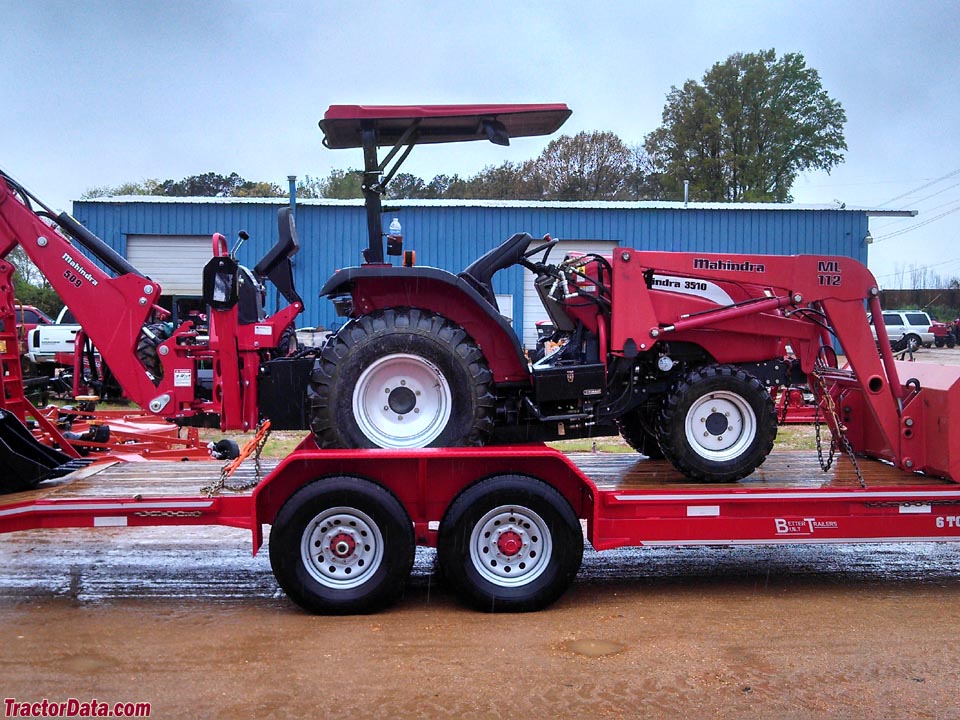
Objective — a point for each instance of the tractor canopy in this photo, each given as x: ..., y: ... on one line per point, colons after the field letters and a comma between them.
x: 343, y: 125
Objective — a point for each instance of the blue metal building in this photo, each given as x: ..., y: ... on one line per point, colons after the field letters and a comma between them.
x: 169, y: 237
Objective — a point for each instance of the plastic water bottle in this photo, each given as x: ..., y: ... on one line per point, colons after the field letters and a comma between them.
x: 395, y: 230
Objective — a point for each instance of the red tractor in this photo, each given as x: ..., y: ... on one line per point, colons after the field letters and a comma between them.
x: 944, y: 334
x: 676, y: 351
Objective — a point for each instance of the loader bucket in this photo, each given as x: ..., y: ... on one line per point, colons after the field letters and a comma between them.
x: 930, y: 434
x: 24, y: 459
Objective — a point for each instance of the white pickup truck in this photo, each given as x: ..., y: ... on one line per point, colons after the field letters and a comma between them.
x: 51, y: 346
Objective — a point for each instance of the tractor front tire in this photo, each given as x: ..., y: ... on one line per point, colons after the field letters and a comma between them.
x: 401, y: 378
x: 717, y: 424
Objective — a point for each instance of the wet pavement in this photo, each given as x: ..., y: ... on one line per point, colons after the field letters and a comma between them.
x: 185, y: 619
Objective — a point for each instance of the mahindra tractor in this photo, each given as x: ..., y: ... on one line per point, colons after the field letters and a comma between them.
x: 676, y: 351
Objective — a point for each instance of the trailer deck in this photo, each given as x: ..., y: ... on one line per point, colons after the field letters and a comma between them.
x: 624, y: 500
x: 630, y: 492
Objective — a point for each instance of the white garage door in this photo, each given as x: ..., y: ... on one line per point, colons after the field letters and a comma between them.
x: 174, y: 261
x: 533, y: 310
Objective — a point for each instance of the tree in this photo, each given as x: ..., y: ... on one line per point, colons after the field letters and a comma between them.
x: 586, y: 166
x: 30, y: 287
x: 206, y: 185
x: 406, y: 185
x: 746, y: 132
x: 342, y: 184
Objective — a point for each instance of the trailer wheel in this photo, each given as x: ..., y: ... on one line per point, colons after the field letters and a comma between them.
x: 401, y: 379
x: 342, y: 545
x: 636, y: 434
x: 718, y: 423
x: 939, y: 342
x: 510, y: 544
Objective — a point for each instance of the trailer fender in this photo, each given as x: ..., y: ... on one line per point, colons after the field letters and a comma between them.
x: 425, y: 481
x: 385, y: 286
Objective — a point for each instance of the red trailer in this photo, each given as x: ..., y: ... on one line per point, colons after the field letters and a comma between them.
x: 508, y: 522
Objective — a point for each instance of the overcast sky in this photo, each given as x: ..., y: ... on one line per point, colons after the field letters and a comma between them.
x: 99, y: 93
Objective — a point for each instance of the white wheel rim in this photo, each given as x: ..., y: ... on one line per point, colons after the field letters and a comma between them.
x: 720, y: 426
x: 341, y: 548
x: 402, y: 401
x: 510, y: 546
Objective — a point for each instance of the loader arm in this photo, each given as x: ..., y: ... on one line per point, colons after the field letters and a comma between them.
x: 792, y: 287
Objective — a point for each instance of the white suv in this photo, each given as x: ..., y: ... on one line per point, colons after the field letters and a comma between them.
x: 908, y: 329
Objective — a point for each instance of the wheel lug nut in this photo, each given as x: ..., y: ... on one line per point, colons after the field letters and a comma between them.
x: 403, y: 382
x: 386, y: 408
x: 416, y: 410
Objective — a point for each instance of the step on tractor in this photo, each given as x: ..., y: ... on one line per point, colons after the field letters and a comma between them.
x: 676, y: 351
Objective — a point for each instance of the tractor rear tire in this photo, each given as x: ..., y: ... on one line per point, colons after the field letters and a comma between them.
x: 636, y: 434
x: 401, y: 378
x: 717, y: 424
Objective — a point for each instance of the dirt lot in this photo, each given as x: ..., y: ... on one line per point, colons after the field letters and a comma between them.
x: 189, y: 622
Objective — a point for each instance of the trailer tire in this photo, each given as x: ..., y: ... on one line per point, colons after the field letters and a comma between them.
x: 342, y: 545
x: 510, y: 544
x: 634, y: 430
x: 401, y: 378
x: 940, y: 342
x: 718, y: 423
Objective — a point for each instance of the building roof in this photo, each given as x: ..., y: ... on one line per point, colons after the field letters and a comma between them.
x: 545, y: 204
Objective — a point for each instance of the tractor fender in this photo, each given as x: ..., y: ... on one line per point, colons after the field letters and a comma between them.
x: 385, y: 286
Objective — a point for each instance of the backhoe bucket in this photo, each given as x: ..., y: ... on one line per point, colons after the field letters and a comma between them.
x: 25, y: 461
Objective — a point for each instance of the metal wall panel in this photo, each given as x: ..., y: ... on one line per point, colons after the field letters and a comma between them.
x: 450, y: 236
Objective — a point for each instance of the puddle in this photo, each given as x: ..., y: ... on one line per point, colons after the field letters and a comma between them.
x: 594, y: 648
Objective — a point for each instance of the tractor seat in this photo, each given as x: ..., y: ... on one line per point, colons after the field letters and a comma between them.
x: 287, y: 246
x: 479, y: 274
